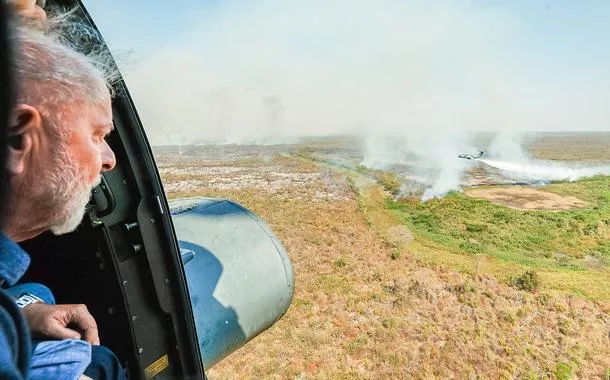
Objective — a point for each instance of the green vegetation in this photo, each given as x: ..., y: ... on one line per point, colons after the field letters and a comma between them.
x: 563, y: 371
x: 369, y: 290
x: 388, y: 180
x: 569, y: 250
x: 332, y: 284
x: 395, y: 254
x: 528, y: 281
x: 340, y: 263
x: 542, y: 239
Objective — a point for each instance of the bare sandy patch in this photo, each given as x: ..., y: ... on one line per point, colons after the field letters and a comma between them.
x: 526, y: 198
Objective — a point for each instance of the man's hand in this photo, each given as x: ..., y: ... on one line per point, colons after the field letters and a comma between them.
x: 61, y: 322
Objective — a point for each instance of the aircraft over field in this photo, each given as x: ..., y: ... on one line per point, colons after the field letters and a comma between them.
x: 472, y: 156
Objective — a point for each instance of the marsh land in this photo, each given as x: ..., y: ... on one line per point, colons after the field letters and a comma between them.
x: 500, y: 279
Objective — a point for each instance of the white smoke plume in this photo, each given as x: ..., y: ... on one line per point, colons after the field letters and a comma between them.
x: 507, y: 145
x: 540, y: 171
x: 414, y: 77
x: 250, y: 71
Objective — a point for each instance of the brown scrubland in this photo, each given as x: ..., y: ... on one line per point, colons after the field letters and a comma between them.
x: 369, y: 305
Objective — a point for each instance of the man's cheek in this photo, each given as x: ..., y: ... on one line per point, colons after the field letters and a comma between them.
x: 94, y: 176
x: 95, y: 168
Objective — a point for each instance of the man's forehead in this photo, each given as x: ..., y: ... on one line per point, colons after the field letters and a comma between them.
x: 102, y: 114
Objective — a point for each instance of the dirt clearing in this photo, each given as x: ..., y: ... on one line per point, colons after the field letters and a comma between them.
x: 526, y: 198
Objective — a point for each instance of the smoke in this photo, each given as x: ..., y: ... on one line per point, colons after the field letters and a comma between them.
x: 507, y: 145
x: 253, y: 71
x: 431, y: 162
x: 540, y: 171
x: 415, y: 78
x: 506, y: 154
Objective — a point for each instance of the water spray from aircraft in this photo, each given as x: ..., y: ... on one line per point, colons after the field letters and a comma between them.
x: 542, y: 171
x: 434, y: 166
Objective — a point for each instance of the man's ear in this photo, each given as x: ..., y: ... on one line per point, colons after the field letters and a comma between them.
x: 25, y: 122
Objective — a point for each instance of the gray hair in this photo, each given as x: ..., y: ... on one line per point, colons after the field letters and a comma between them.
x: 50, y: 72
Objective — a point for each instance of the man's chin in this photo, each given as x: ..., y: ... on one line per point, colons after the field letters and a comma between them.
x: 69, y: 225
x: 74, y: 218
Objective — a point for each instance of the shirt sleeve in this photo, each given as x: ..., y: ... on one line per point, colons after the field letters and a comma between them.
x: 14, y: 341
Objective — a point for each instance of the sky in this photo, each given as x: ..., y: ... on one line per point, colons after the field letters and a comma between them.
x: 268, y: 70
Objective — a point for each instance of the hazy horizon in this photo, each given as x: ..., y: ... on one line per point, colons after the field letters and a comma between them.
x: 238, y: 71
x: 415, y: 78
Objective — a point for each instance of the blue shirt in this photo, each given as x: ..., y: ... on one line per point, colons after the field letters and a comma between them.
x: 15, y: 349
x: 13, y: 261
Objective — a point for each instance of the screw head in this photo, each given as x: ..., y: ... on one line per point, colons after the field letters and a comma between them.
x: 140, y: 350
x: 124, y: 282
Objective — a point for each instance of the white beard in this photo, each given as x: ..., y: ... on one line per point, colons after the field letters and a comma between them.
x: 75, y: 210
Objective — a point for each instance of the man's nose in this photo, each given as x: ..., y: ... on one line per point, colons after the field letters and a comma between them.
x: 108, y: 158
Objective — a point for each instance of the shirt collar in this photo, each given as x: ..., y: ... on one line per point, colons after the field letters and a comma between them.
x: 14, y: 261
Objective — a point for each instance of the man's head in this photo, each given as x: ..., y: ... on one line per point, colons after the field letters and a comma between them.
x: 57, y: 147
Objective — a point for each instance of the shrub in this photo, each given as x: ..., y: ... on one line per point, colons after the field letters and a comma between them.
x: 395, y: 255
x: 528, y: 281
x: 388, y: 323
x: 501, y: 217
x: 476, y: 227
x: 340, y: 263
x: 389, y: 182
x: 472, y: 248
x: 508, y: 316
x: 563, y: 325
x: 563, y: 371
x: 604, y: 197
x: 427, y: 220
x: 352, y: 186
x: 467, y: 286
x: 362, y: 169
x: 543, y: 299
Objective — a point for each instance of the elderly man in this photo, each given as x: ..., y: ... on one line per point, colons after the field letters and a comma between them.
x: 57, y: 151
